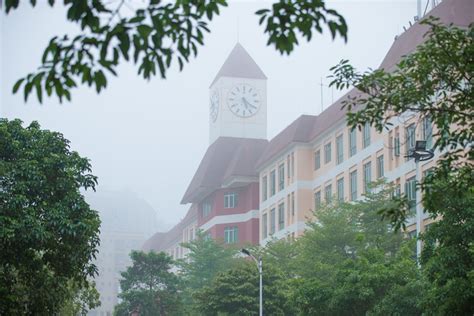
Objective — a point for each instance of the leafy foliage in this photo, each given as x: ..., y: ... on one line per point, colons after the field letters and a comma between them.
x: 82, y: 299
x: 352, y: 262
x: 434, y: 81
x: 448, y: 255
x: 148, y: 286
x: 286, y: 18
x: 236, y: 292
x: 206, y: 258
x: 280, y: 254
x: 154, y: 37
x: 48, y: 232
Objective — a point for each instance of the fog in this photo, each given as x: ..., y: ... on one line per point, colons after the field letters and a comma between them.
x: 148, y: 137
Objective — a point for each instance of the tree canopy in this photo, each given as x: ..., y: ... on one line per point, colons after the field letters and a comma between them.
x: 154, y: 36
x: 448, y: 254
x: 351, y: 262
x: 236, y: 292
x: 435, y: 82
x: 49, y: 234
x: 148, y: 286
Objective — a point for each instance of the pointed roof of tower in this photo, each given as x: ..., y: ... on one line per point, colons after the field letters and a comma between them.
x: 240, y: 64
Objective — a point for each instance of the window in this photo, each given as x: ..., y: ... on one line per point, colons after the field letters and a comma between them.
x: 231, y: 235
x: 353, y: 176
x: 288, y: 205
x: 396, y: 146
x: 410, y: 193
x: 428, y: 131
x: 367, y: 177
x: 292, y: 170
x: 380, y: 169
x: 339, y: 149
x: 288, y: 173
x: 264, y: 188
x: 352, y: 142
x: 230, y: 200
x: 206, y: 209
x: 317, y: 160
x: 281, y: 177
x: 281, y: 216
x: 272, y: 221
x: 410, y: 138
x: 327, y: 153
x: 317, y: 200
x: 264, y: 226
x: 366, y: 135
x: 292, y: 203
x: 340, y: 189
x: 328, y: 193
x: 272, y: 183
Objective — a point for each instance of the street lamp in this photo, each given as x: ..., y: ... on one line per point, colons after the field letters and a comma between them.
x: 260, y: 272
x: 420, y: 153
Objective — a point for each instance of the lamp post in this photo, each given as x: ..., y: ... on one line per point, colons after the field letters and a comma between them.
x: 260, y: 273
x: 420, y: 153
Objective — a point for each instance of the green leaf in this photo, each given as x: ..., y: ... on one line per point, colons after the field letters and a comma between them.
x: 17, y: 85
x: 144, y: 30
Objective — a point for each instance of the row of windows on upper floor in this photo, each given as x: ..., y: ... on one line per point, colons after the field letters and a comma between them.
x: 367, y: 180
x: 280, y: 211
x: 231, y: 200
x: 410, y: 187
x: 410, y: 141
x: 231, y: 235
x: 395, y: 145
x: 290, y: 166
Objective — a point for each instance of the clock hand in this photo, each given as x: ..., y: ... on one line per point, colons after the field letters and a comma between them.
x: 245, y: 103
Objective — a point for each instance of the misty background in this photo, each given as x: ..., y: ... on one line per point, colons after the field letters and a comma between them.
x: 145, y: 139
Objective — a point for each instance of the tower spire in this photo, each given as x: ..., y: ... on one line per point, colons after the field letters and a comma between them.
x: 240, y: 64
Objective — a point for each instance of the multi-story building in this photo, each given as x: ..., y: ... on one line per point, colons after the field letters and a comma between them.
x: 224, y: 192
x: 170, y: 242
x: 126, y: 222
x: 318, y: 158
x: 313, y: 160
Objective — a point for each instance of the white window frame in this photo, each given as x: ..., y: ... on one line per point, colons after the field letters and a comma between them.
x: 231, y: 199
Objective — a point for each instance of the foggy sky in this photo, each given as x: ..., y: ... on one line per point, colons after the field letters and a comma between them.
x: 149, y: 137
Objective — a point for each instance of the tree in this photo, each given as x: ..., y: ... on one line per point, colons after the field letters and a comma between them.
x: 236, y: 292
x: 148, y: 286
x: 351, y: 262
x: 48, y: 232
x: 448, y: 254
x: 206, y: 258
x: 82, y: 299
x: 154, y: 36
x: 435, y: 81
x: 280, y: 254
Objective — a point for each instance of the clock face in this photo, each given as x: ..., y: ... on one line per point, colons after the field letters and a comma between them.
x: 214, y: 106
x: 243, y: 100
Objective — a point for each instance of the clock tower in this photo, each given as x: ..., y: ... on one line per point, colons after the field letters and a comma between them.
x: 238, y: 98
